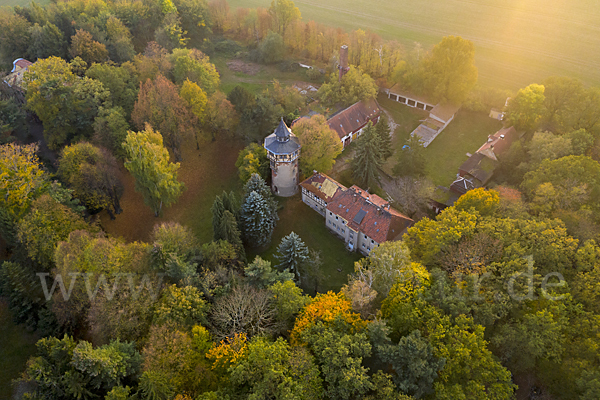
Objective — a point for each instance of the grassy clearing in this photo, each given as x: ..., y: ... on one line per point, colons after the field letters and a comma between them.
x: 296, y: 216
x: 517, y: 41
x: 254, y: 83
x: 22, y: 3
x: 448, y: 151
x: 206, y: 173
x: 17, y: 346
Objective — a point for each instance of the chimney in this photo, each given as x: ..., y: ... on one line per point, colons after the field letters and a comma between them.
x: 343, y: 61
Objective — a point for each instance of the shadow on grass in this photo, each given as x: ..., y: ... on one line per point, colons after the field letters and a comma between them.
x: 17, y: 346
x: 296, y: 216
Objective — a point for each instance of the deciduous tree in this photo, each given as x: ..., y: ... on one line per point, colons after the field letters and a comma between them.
x: 449, y: 72
x: 160, y: 105
x: 526, y: 109
x: 92, y: 173
x: 148, y: 162
x: 320, y: 144
x: 84, y: 46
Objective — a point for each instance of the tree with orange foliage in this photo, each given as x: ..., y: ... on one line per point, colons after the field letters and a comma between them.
x: 160, y: 105
x: 326, y: 308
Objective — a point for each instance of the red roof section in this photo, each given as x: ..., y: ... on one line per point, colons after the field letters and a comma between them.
x: 500, y: 141
x: 354, y: 117
x: 314, y: 184
x: 380, y: 223
x: 21, y: 63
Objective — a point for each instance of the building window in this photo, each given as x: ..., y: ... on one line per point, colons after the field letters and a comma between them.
x: 368, y: 249
x: 338, y: 228
x: 330, y: 213
x: 336, y: 217
x: 343, y: 231
x: 372, y: 241
x: 365, y: 236
x: 363, y: 245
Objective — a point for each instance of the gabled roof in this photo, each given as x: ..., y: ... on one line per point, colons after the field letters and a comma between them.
x: 479, y: 166
x: 353, y: 118
x: 444, y: 111
x: 369, y: 214
x: 322, y: 186
x: 463, y: 184
x: 499, y: 142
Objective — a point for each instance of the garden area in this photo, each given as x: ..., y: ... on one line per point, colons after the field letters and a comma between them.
x: 465, y: 134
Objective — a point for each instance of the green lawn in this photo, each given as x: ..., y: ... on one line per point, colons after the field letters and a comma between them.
x: 310, y: 226
x: 448, y: 151
x: 16, y: 346
x: 517, y: 42
x: 407, y: 118
x: 22, y: 3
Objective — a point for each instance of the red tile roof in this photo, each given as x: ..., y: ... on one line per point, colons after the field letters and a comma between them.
x: 380, y: 222
x: 21, y: 63
x: 500, y: 141
x: 321, y: 185
x: 354, y: 117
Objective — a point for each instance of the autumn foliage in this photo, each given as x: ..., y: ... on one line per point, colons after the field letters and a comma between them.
x: 326, y: 307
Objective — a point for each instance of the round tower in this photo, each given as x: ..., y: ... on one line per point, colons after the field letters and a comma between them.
x: 283, y: 150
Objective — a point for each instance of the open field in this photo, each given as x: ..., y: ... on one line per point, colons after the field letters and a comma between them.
x: 22, y: 3
x: 517, y: 41
x: 16, y: 346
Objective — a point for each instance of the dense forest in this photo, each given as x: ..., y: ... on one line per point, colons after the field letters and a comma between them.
x: 498, y: 291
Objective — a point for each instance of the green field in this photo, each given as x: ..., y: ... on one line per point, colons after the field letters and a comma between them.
x: 22, y: 3
x: 517, y: 41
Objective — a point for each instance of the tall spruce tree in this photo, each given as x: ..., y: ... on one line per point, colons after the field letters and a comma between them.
x: 257, y: 219
x: 229, y: 230
x: 383, y: 131
x: 224, y: 202
x: 367, y: 158
x: 257, y: 184
x: 293, y: 253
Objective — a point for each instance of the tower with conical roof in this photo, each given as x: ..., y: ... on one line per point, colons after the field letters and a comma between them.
x: 283, y: 150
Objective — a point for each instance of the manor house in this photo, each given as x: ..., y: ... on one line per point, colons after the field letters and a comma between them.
x: 361, y: 219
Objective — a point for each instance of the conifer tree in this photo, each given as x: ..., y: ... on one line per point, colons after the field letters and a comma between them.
x: 367, y: 158
x: 257, y: 184
x: 383, y: 132
x: 293, y: 253
x: 222, y: 203
x: 229, y: 230
x: 257, y: 220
